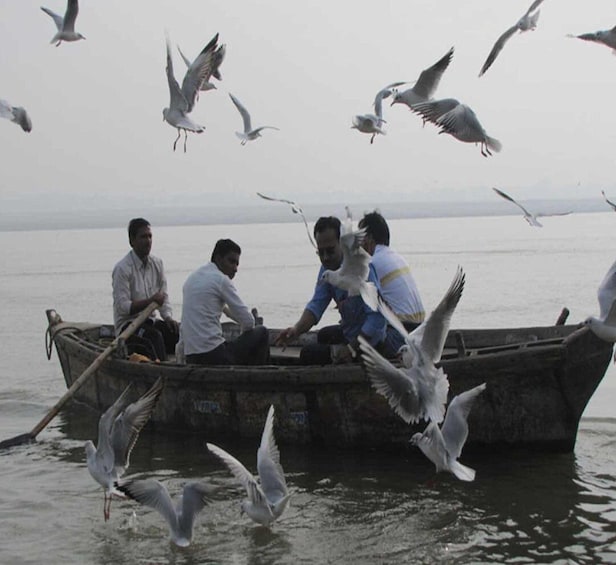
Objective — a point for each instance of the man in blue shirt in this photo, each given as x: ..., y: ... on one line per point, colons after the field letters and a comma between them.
x: 356, y: 318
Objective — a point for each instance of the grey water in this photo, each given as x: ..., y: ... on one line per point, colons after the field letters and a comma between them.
x: 347, y: 507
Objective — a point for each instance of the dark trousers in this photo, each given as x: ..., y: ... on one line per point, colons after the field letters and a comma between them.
x: 156, y: 339
x: 319, y: 353
x: 250, y: 348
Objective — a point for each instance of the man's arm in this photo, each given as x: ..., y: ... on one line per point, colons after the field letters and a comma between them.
x: 238, y: 310
x: 305, y: 322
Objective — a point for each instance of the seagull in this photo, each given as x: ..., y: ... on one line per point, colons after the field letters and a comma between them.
x: 66, y: 24
x: 352, y: 275
x: 248, y: 134
x: 218, y: 58
x: 296, y: 209
x: 371, y: 123
x: 16, y: 114
x: 607, y: 37
x: 266, y: 501
x: 181, y: 517
x: 426, y: 84
x: 118, y: 430
x: 604, y: 326
x: 443, y: 446
x: 527, y: 22
x: 605, y: 198
x: 528, y: 216
x: 182, y: 101
x: 457, y: 120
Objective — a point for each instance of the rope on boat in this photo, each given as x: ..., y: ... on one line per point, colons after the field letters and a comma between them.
x: 49, y: 337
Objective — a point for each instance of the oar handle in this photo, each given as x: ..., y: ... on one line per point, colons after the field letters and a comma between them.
x: 128, y: 331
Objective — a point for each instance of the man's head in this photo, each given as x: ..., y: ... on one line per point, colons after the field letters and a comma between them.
x: 377, y: 231
x: 226, y: 256
x: 327, y: 237
x: 140, y: 237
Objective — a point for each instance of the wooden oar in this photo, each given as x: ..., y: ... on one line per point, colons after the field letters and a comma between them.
x: 130, y: 330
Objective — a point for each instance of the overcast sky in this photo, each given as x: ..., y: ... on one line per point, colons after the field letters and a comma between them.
x: 306, y: 68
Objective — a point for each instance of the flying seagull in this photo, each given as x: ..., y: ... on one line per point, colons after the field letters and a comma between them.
x: 118, y: 430
x: 296, y: 209
x: 218, y: 58
x: 426, y: 84
x: 371, y: 123
x: 607, y: 37
x: 268, y: 498
x: 608, y: 201
x: 443, y: 446
x: 66, y: 24
x: 181, y: 517
x: 459, y: 121
x: 182, y: 100
x: 527, y: 22
x: 604, y: 326
x: 16, y: 114
x: 249, y: 134
x: 528, y: 216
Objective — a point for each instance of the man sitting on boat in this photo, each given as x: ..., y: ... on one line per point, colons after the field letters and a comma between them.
x: 208, y: 292
x: 138, y: 280
x: 339, y: 343
x: 398, y: 286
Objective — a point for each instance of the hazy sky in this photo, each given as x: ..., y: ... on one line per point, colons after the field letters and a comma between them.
x: 98, y: 137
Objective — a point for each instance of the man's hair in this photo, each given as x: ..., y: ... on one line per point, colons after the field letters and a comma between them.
x: 326, y: 223
x: 135, y: 225
x: 224, y: 246
x: 376, y: 226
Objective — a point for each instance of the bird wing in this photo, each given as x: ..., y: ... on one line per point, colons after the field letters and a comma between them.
x: 380, y: 95
x: 270, y: 470
x: 58, y: 20
x: 243, y: 112
x: 21, y: 117
x: 296, y: 210
x: 429, y: 78
x: 219, y: 57
x: 127, y: 426
x: 6, y: 110
x: 432, y: 445
x: 497, y: 48
x: 432, y: 111
x: 462, y: 122
x: 606, y: 293
x: 437, y: 324
x: 243, y: 475
x: 104, y: 447
x: 151, y: 493
x: 455, y: 427
x: 507, y: 197
x: 396, y: 385
x: 278, y: 200
x: 533, y: 7
x: 199, y: 72
x: 72, y: 9
x: 177, y: 98
x: 610, y: 319
x: 608, y: 201
x: 257, y: 130
x: 186, y: 60
x: 195, y: 496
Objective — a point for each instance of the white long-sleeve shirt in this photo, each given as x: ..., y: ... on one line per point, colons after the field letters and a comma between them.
x: 134, y: 279
x: 205, y: 294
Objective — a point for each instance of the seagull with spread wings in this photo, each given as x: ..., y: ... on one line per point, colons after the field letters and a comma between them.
x: 268, y: 497
x: 66, y: 25
x: 16, y: 114
x: 182, y: 100
x: 118, y: 430
x: 296, y: 209
x: 606, y: 37
x: 527, y: 22
x: 249, y: 134
x: 372, y: 123
x: 530, y: 217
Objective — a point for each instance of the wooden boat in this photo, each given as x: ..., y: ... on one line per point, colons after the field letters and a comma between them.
x: 539, y: 380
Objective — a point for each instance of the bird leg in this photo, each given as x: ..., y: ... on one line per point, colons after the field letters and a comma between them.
x: 185, y: 139
x: 176, y: 139
x: 106, y: 507
x: 372, y: 138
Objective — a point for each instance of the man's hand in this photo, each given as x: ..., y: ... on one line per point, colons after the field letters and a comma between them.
x: 286, y: 335
x: 159, y: 298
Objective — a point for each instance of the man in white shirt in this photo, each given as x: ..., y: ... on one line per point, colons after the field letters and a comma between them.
x: 138, y: 280
x: 398, y: 286
x: 208, y: 292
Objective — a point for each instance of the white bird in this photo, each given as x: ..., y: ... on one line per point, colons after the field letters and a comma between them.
x: 66, y: 24
x: 604, y: 326
x: 266, y: 501
x: 296, y: 209
x: 352, y: 275
x: 530, y: 217
x: 426, y: 84
x: 182, y: 100
x: 459, y: 121
x: 181, y: 517
x: 249, y: 134
x: 527, y: 22
x: 16, y: 114
x: 443, y: 446
x: 118, y: 430
x: 606, y: 37
x: 372, y: 123
x: 218, y: 58
x: 612, y: 204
